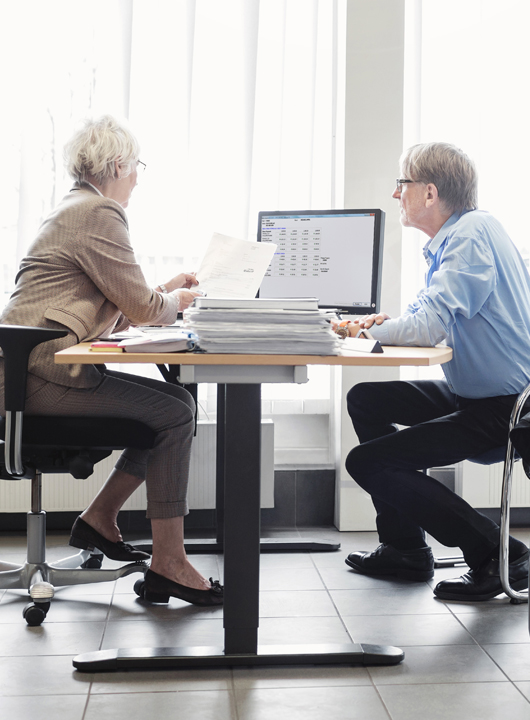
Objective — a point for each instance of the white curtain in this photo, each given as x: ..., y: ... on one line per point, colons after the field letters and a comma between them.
x: 467, y: 77
x: 59, y: 61
x: 233, y: 102
x: 467, y: 65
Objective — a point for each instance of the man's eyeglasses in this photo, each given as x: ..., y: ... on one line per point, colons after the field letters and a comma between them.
x: 400, y: 182
x: 140, y: 166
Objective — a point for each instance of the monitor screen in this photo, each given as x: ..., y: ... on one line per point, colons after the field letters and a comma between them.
x: 333, y: 255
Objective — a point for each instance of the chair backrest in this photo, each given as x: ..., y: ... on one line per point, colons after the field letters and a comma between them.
x: 520, y: 437
x: 54, y: 443
x: 17, y: 342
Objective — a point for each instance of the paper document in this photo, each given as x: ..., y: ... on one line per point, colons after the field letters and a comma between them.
x: 233, y: 268
x: 167, y: 342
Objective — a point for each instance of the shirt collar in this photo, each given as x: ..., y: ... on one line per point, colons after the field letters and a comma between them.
x: 85, y: 182
x: 432, y: 246
x: 79, y: 185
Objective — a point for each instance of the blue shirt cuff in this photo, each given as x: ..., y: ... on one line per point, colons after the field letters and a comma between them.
x: 380, y: 332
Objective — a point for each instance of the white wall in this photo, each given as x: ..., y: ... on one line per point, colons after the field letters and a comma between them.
x: 373, y: 144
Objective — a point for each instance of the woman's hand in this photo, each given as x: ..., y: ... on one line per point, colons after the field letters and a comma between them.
x: 185, y: 297
x: 183, y: 280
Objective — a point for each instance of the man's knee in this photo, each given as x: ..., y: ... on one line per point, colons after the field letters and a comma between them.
x: 359, y: 400
x: 362, y: 461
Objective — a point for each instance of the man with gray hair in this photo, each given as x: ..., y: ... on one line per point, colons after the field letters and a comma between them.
x: 476, y: 298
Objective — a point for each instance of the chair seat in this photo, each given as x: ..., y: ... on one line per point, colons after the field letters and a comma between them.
x: 81, y: 432
x: 56, y: 444
x: 490, y: 457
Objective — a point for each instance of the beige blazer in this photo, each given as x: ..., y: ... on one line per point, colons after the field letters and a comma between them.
x: 81, y: 275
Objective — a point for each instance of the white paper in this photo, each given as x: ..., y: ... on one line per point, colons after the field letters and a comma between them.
x: 233, y: 268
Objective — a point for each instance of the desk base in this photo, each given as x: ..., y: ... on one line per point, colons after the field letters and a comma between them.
x: 267, y: 545
x: 189, y: 657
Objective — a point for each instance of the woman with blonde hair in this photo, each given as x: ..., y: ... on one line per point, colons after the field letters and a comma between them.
x: 81, y: 274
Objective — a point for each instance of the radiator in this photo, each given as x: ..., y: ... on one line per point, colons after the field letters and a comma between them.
x: 480, y: 485
x: 63, y: 492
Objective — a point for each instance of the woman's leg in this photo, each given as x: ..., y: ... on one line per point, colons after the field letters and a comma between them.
x: 103, y: 511
x: 169, y: 410
x: 169, y: 554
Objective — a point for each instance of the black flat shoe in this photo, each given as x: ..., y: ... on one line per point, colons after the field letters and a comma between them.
x: 85, y: 537
x: 158, y: 589
x: 415, y: 565
x: 485, y: 582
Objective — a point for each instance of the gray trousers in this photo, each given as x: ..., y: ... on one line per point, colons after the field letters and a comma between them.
x: 167, y: 409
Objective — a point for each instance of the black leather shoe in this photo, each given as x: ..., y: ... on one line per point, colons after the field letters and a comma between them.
x: 386, y: 560
x: 485, y: 582
x: 85, y: 537
x: 159, y: 589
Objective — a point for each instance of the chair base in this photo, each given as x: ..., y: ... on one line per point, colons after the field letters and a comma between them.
x: 449, y: 561
x: 69, y: 571
x: 40, y: 578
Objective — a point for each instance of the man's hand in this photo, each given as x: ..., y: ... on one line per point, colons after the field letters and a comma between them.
x: 354, y: 327
x: 366, y: 321
x: 346, y: 328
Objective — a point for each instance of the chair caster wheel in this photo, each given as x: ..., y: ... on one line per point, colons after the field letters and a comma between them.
x: 518, y: 601
x: 139, y: 588
x: 35, y: 613
x: 94, y: 561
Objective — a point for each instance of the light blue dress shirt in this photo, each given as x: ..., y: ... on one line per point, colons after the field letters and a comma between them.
x: 476, y: 298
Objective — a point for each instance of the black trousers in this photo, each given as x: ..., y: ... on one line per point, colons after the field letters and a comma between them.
x: 441, y: 429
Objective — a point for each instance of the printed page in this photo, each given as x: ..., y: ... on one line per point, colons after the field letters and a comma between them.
x: 233, y: 268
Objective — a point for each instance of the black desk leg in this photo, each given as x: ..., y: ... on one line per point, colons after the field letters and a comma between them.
x: 220, y: 466
x: 242, y: 517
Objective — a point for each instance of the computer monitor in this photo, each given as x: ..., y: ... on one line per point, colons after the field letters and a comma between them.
x: 333, y: 255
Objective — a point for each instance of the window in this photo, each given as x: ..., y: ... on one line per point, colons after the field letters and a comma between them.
x: 234, y: 104
x: 464, y: 83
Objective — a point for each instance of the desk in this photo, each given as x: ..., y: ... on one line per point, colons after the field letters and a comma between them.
x: 243, y: 375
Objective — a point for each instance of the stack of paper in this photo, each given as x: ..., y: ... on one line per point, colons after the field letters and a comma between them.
x: 254, y: 326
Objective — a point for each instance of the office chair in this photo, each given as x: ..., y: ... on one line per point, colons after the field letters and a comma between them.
x: 490, y: 457
x: 35, y: 445
x: 518, y: 447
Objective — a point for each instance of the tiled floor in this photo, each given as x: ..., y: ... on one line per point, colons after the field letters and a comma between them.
x: 461, y: 660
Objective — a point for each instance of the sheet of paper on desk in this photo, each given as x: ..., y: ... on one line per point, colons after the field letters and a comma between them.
x: 234, y: 268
